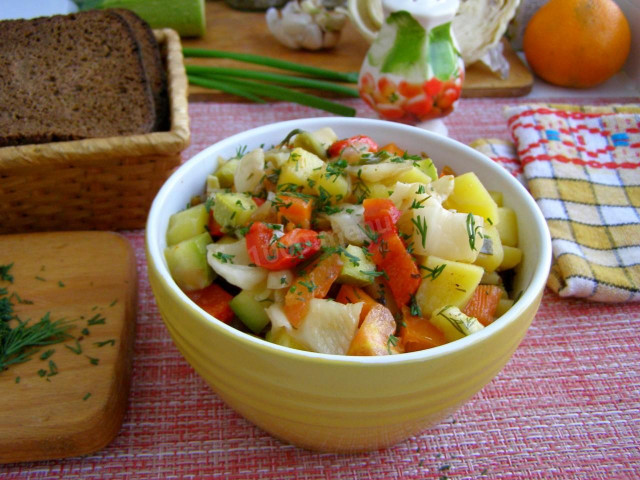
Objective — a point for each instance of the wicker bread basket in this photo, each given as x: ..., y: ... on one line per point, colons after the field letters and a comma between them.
x: 96, y: 184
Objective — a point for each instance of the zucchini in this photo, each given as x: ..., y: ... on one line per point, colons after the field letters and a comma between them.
x: 250, y: 311
x: 187, y: 17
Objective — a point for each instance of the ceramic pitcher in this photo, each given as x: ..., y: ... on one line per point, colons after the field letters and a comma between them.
x: 413, y: 71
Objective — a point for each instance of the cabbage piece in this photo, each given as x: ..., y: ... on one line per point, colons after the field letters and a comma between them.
x: 232, y: 262
x: 478, y: 27
x: 249, y: 172
x: 446, y: 234
x: 328, y: 327
x: 379, y: 172
x: 348, y: 224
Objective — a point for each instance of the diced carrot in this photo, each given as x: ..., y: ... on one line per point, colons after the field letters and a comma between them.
x: 417, y: 333
x: 351, y: 294
x: 391, y: 256
x: 314, y: 284
x: 375, y: 335
x: 393, y: 149
x: 293, y: 209
x: 214, y: 300
x: 483, y: 303
x: 447, y: 170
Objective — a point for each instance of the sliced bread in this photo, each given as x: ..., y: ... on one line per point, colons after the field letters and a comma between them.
x: 69, y: 77
x: 152, y: 61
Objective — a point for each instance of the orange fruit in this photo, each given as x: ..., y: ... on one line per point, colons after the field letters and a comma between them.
x: 577, y: 43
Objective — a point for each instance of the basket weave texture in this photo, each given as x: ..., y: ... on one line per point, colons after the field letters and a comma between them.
x: 96, y: 184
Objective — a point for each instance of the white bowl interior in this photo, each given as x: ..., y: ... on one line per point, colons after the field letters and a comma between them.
x: 189, y: 180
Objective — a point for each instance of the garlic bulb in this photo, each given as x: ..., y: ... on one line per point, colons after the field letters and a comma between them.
x: 307, y: 24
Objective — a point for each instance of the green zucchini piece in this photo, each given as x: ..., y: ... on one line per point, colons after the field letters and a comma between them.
x: 226, y: 172
x: 233, y: 210
x: 250, y: 311
x: 187, y: 262
x: 187, y: 223
x: 355, y: 264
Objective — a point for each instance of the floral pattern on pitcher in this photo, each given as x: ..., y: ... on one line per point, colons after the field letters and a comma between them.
x: 410, y: 74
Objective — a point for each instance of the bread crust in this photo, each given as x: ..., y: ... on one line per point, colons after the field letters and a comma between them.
x: 69, y: 77
x: 152, y: 62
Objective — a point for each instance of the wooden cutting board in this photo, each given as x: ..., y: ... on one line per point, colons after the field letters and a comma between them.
x: 247, y: 32
x: 73, y: 402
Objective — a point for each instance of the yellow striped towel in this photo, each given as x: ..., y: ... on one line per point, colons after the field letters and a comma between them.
x: 582, y: 165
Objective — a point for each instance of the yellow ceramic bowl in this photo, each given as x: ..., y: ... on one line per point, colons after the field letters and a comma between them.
x: 340, y: 403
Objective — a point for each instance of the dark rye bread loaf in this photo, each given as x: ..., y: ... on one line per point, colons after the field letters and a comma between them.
x: 70, y: 77
x: 152, y: 62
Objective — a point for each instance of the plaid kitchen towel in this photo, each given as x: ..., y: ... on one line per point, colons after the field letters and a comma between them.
x: 582, y: 165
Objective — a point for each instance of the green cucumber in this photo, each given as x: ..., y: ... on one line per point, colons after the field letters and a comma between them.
x: 187, y: 223
x: 187, y: 262
x: 233, y: 210
x: 250, y: 311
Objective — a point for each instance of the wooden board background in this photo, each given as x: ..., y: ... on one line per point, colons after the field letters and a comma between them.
x: 247, y: 32
x: 79, y: 410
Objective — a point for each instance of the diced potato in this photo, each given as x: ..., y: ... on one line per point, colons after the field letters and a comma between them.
x: 453, y: 323
x: 446, y: 282
x: 282, y: 337
x: 187, y: 223
x: 299, y: 169
x: 378, y: 190
x: 335, y: 185
x: 491, y: 254
x: 470, y: 196
x: 512, y: 257
x: 415, y: 175
x: 508, y: 226
x: 374, y: 337
x: 498, y: 197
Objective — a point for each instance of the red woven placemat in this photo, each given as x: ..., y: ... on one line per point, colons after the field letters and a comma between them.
x: 567, y: 405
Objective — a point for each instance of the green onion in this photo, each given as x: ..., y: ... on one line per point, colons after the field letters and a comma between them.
x: 349, y: 77
x: 291, y: 80
x: 278, y: 93
x: 224, y: 87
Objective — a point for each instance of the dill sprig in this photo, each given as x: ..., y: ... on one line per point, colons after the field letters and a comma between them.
x: 17, y: 343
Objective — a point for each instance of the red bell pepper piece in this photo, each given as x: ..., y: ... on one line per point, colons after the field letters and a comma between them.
x: 280, y: 253
x: 214, y: 227
x: 391, y: 256
x: 359, y: 142
x: 388, y: 252
x: 214, y: 300
x: 381, y: 215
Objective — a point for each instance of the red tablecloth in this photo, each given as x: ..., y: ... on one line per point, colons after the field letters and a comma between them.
x: 567, y: 405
